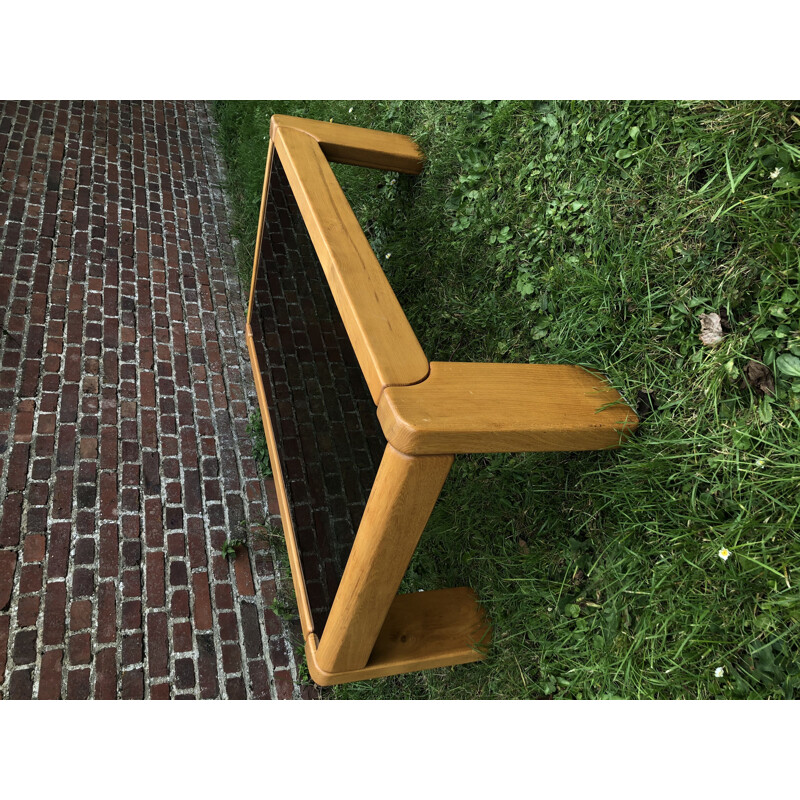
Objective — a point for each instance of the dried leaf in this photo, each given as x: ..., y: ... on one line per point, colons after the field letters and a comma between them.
x: 523, y: 546
x: 710, y: 329
x: 759, y: 377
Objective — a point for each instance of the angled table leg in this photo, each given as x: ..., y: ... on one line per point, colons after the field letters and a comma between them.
x: 402, y: 498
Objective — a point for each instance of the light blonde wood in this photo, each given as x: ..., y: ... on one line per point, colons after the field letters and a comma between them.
x: 428, y: 412
x: 298, y: 581
x: 260, y: 232
x: 424, y: 630
x: 348, y: 144
x: 384, y: 343
x: 498, y: 408
x: 398, y: 508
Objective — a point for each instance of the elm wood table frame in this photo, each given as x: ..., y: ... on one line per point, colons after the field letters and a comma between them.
x: 428, y: 413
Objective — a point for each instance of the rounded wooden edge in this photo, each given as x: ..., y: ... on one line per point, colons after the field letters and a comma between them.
x: 350, y: 144
x: 412, y: 439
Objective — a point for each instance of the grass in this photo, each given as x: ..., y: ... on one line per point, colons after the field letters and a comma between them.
x: 597, y: 234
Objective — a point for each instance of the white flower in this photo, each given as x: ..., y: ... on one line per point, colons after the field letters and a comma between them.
x: 350, y: 110
x: 719, y: 672
x: 388, y: 255
x: 724, y: 553
x: 774, y: 174
x: 760, y: 462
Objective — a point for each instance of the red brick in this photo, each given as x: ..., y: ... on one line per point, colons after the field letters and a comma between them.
x: 284, y: 685
x: 278, y: 652
x: 207, y: 666
x: 18, y: 467
x: 27, y: 611
x: 223, y: 596
x: 154, y: 580
x: 78, y: 685
x: 62, y: 495
x: 12, y: 521
x: 182, y: 637
x: 133, y: 684
x: 149, y: 432
x: 159, y: 691
x: 20, y: 684
x: 131, y: 615
x: 272, y: 623
x: 132, y: 583
x: 197, y: 543
x: 24, y: 651
x: 236, y: 689
x: 24, y: 425
x: 34, y: 548
x: 108, y: 448
x: 8, y: 564
x: 133, y: 649
x: 157, y: 648
x: 88, y: 447
x: 178, y: 575
x: 228, y: 629
x: 46, y: 424
x: 147, y: 388
x: 58, y: 545
x: 203, y: 620
x: 69, y: 403
x: 106, y: 613
x: 251, y: 630
x: 179, y: 605
x: 244, y: 575
x: 131, y: 552
x: 50, y: 675
x: 55, y: 605
x: 153, y: 528
x: 80, y: 649
x: 109, y: 551
x: 84, y: 551
x: 82, y: 582
x: 38, y: 494
x: 108, y: 495
x: 30, y: 578
x: 65, y: 455
x: 80, y: 615
x: 105, y: 685
x: 184, y: 673
x: 175, y: 544
x: 259, y: 680
x: 130, y: 527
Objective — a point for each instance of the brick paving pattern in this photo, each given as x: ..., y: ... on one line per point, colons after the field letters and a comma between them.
x: 125, y: 392
x: 325, y: 423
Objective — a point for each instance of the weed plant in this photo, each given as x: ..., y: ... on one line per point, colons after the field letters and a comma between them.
x: 597, y: 233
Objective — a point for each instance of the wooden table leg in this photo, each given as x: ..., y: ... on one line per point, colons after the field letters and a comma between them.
x: 401, y: 501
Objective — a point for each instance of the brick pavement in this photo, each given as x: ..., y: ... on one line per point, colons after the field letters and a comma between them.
x: 323, y: 416
x: 125, y: 391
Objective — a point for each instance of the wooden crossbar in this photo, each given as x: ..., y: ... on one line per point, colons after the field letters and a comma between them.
x: 428, y: 413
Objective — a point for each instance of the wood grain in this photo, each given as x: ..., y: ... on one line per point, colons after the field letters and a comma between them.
x: 348, y: 144
x: 383, y: 340
x: 504, y: 408
x: 398, y: 508
x: 423, y: 630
